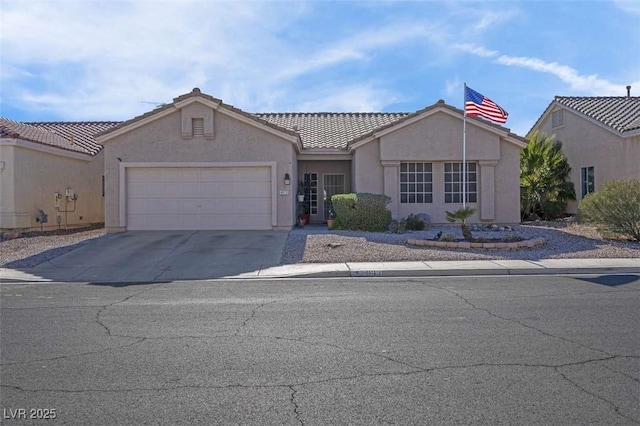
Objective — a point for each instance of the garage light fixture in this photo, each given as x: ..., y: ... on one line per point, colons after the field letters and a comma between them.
x: 287, y: 179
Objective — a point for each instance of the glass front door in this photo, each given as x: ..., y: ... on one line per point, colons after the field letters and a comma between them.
x: 333, y: 183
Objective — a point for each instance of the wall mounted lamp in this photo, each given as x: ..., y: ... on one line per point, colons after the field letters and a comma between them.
x: 287, y: 179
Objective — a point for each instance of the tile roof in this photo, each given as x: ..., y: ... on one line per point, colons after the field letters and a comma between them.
x: 70, y: 136
x: 620, y: 113
x: 195, y: 93
x: 329, y: 130
x: 317, y: 130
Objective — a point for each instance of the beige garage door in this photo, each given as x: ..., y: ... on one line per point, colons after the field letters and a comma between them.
x: 198, y: 198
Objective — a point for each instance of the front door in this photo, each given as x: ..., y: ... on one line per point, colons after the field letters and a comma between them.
x: 333, y: 183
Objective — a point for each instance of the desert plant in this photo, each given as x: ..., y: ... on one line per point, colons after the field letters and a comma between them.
x: 545, y: 188
x: 461, y: 215
x: 616, y: 206
x: 447, y: 237
x: 361, y: 212
x: 398, y: 226
x: 414, y: 223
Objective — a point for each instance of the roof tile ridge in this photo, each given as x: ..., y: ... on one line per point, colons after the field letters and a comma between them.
x: 73, y: 122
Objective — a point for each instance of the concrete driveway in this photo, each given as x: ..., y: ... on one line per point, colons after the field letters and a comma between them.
x: 167, y: 256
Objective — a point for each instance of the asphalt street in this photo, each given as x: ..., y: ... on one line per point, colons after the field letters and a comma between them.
x: 436, y: 350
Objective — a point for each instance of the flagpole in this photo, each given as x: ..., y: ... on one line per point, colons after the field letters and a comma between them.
x: 464, y: 149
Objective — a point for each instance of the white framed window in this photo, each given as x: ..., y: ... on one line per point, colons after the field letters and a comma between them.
x: 311, y: 187
x: 557, y: 118
x: 453, y: 183
x: 587, y: 180
x: 416, y: 183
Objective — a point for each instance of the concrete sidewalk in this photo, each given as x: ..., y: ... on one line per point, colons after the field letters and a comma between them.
x: 347, y: 269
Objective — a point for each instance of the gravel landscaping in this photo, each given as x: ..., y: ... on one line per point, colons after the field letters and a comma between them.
x: 33, y: 248
x: 564, y: 240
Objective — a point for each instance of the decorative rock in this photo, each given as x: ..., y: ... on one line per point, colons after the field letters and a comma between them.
x: 10, y: 235
x: 515, y: 245
x: 425, y: 218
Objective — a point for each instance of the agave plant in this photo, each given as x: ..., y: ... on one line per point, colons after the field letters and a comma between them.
x: 461, y: 215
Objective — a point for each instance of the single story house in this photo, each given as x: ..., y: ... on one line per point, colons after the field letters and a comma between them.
x: 198, y: 163
x: 55, y: 168
x: 600, y: 137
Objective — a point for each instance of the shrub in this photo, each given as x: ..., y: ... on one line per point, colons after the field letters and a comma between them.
x: 450, y: 238
x: 414, y: 223
x: 616, y: 206
x: 361, y: 212
x: 398, y: 226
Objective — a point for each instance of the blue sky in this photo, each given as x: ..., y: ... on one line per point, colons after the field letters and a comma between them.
x: 65, y: 60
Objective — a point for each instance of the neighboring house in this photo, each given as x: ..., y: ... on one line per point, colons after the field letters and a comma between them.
x: 198, y: 163
x: 600, y: 137
x: 40, y: 163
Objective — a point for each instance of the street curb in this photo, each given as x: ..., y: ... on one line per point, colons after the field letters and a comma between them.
x: 355, y: 270
x: 371, y: 273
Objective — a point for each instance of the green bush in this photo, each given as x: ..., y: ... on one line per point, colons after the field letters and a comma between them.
x: 414, y: 223
x: 616, y: 206
x: 361, y: 212
x: 398, y: 226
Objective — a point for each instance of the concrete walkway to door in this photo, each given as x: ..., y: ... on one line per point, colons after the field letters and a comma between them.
x: 166, y: 256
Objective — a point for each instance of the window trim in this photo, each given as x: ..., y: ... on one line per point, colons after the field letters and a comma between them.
x: 416, y: 178
x: 455, y: 196
x: 587, y: 187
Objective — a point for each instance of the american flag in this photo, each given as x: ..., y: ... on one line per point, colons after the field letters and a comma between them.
x: 477, y: 105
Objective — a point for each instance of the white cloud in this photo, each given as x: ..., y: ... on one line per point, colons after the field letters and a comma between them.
x: 452, y: 87
x: 630, y: 6
x: 356, y: 98
x: 475, y: 50
x: 592, y: 84
x: 108, y: 56
x: 356, y: 47
x: 84, y: 59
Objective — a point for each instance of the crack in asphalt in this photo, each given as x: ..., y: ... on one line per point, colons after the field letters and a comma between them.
x: 556, y: 368
x: 386, y: 358
x: 97, y: 320
x: 417, y: 370
x: 628, y: 376
x: 56, y: 358
x: 615, y: 407
x: 292, y: 386
x: 163, y: 270
x: 105, y: 307
x: 295, y: 405
x: 319, y: 381
x: 545, y: 333
x: 253, y: 313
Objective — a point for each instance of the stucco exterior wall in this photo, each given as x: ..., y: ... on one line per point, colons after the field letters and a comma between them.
x: 9, y: 217
x: 438, y: 139
x: 507, y: 184
x: 233, y: 141
x: 587, y: 144
x: 30, y: 179
x: 367, y: 169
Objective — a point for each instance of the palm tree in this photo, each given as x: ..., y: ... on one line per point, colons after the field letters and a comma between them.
x: 462, y: 215
x: 544, y: 178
